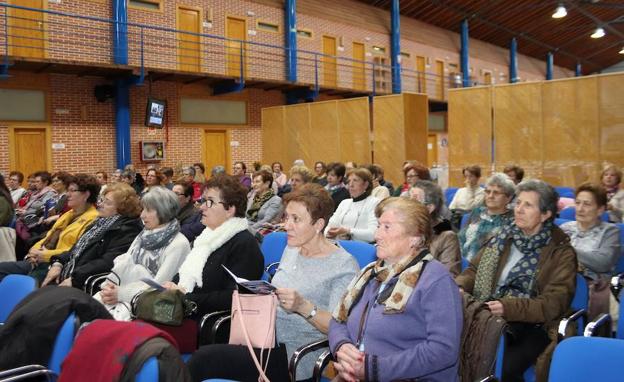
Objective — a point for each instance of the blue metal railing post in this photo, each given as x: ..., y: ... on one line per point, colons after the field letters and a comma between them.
x: 120, y: 32
x: 549, y: 66
x: 395, y: 45
x: 122, y: 122
x: 513, y: 61
x: 578, y: 70
x: 465, y: 68
x: 291, y: 39
x: 4, y: 70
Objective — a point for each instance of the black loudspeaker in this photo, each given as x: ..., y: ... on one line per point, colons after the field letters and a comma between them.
x: 103, y: 92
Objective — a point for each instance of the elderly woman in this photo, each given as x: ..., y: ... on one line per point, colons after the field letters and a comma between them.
x: 263, y: 206
x: 413, y: 172
x: 596, y: 243
x: 405, y: 288
x: 6, y: 204
x: 444, y: 245
x: 335, y: 183
x: 278, y: 174
x: 200, y: 172
x: 57, y: 205
x: 82, y: 194
x: 527, y: 275
x: 14, y: 183
x: 486, y: 221
x: 354, y: 218
x: 379, y: 191
x: 471, y: 196
x: 227, y: 241
x: 30, y: 215
x: 109, y: 236
x: 239, y: 170
x: 156, y: 253
x: 611, y: 178
x: 311, y: 278
x: 321, y: 173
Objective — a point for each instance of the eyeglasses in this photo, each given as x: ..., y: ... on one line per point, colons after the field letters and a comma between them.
x: 179, y: 193
x: 493, y: 192
x: 14, y: 179
x: 209, y: 203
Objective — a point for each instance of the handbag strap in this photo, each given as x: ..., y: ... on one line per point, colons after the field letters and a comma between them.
x: 238, y: 308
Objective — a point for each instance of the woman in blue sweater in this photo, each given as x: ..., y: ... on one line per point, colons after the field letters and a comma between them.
x: 401, y: 318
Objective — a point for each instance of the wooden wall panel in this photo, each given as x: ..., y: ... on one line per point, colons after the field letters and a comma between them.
x: 416, y: 111
x: 611, y: 100
x: 518, y: 127
x: 354, y: 125
x: 470, y: 131
x: 324, y: 143
x: 570, y: 131
x: 388, y: 130
x: 297, y: 122
x: 273, y: 135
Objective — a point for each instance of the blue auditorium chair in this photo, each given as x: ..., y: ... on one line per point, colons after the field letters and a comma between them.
x: 364, y: 253
x: 565, y: 192
x: 272, y: 249
x: 449, y: 194
x: 569, y: 213
x: 13, y: 289
x: 581, y: 359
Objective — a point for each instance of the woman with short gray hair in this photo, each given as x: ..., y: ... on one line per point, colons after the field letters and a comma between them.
x: 526, y: 274
x: 486, y: 221
x: 156, y: 253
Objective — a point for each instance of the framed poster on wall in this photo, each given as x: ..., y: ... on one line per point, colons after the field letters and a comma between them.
x: 152, y: 151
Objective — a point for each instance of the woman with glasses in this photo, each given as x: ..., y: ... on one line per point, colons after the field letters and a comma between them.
x: 486, y: 221
x: 226, y: 241
x: 153, y: 178
x: 354, y: 218
x: 15, y: 186
x: 156, y: 254
x: 109, y: 236
x: 82, y: 194
x: 413, y: 172
x: 527, y: 275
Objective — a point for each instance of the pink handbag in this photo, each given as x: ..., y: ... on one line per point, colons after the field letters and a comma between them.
x: 253, y: 324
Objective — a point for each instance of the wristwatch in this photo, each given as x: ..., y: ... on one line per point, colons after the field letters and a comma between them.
x: 312, y: 313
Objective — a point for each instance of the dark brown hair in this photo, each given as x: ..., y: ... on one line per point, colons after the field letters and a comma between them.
x: 598, y: 191
x: 474, y: 170
x: 86, y: 182
x: 363, y: 174
x: 421, y: 171
x: 266, y: 176
x: 233, y: 193
x: 316, y: 200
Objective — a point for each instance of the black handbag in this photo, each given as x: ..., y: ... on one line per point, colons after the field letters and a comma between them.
x: 168, y: 307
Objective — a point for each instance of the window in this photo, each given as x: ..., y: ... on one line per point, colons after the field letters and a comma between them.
x: 379, y: 49
x: 151, y: 5
x: 405, y: 55
x: 304, y: 33
x: 209, y: 111
x: 267, y: 27
x: 22, y: 105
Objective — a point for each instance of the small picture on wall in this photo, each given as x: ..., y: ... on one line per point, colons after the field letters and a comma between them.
x: 152, y: 151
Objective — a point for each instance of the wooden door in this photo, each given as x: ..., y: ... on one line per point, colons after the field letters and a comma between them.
x: 432, y: 149
x: 329, y: 62
x: 359, y: 69
x: 215, y: 149
x: 487, y: 78
x: 235, y: 52
x: 189, y: 44
x: 439, y: 79
x: 30, y: 150
x: 27, y: 29
x: 421, y: 67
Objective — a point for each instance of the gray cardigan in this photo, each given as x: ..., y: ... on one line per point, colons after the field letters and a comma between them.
x: 270, y: 210
x: 597, y: 249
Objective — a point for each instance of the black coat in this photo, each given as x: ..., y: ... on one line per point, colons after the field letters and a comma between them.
x: 339, y: 195
x: 98, y: 255
x: 241, y: 254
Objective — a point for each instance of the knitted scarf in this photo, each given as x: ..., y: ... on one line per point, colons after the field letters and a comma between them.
x: 154, y: 241
x: 97, y: 229
x: 205, y: 244
x: 394, y: 298
x: 258, y: 202
x: 519, y: 281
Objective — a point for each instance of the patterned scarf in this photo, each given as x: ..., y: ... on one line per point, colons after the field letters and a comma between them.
x: 480, y: 229
x: 154, y: 241
x: 97, y: 229
x: 258, y: 202
x: 519, y: 281
x: 394, y: 298
x: 333, y: 189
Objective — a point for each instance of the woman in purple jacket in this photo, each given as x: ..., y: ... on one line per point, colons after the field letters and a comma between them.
x: 401, y: 318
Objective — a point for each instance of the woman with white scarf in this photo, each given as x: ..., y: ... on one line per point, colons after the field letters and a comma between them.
x: 156, y: 253
x: 225, y: 241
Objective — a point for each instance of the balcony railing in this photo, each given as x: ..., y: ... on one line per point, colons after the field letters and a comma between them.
x: 36, y: 34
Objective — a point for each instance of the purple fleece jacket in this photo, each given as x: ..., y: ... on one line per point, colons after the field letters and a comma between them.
x: 422, y: 342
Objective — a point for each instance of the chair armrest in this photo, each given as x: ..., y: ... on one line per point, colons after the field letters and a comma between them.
x: 301, y: 352
x: 563, y: 324
x: 489, y: 378
x: 92, y: 281
x: 209, y: 319
x: 321, y: 363
x: 616, y: 285
x: 217, y: 325
x: 26, y: 373
x: 214, y: 315
x: 604, y: 320
x: 270, y: 271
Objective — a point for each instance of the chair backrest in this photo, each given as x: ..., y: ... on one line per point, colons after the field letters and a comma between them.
x: 619, y: 266
x: 560, y: 221
x: 579, y: 359
x: 449, y: 194
x: 568, y: 213
x: 149, y: 371
x: 364, y: 253
x: 565, y: 192
x: 581, y: 294
x: 63, y: 343
x: 464, y: 263
x: 273, y: 247
x: 620, y: 324
x: 13, y: 289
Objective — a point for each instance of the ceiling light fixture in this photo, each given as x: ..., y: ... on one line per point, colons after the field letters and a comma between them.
x: 560, y: 12
x: 598, y: 33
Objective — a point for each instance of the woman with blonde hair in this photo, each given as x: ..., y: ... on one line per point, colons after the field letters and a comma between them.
x: 611, y: 178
